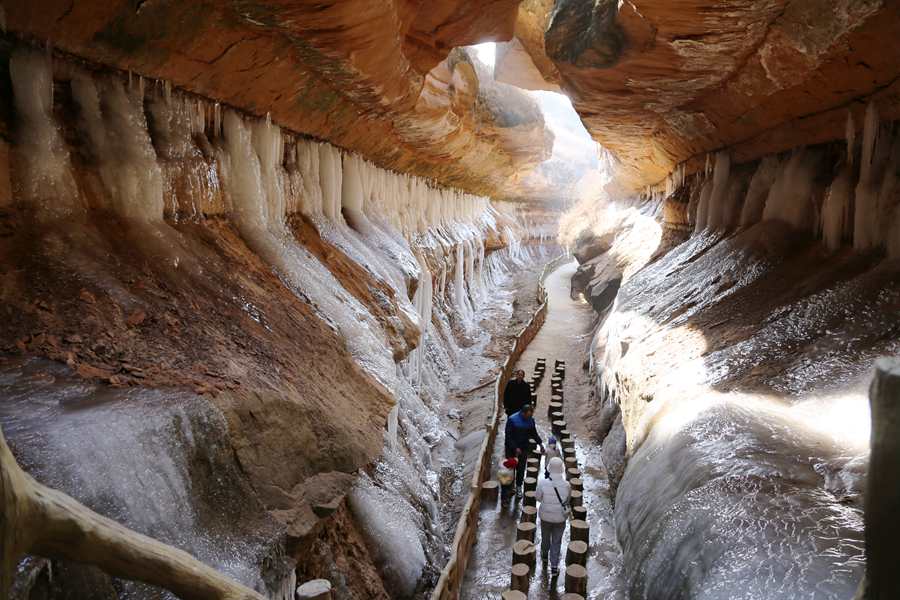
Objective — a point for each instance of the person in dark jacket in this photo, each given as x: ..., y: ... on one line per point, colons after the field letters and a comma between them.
x: 520, y: 428
x: 517, y: 394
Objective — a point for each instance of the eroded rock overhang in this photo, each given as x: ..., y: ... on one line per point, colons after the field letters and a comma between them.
x: 661, y: 83
x: 376, y: 78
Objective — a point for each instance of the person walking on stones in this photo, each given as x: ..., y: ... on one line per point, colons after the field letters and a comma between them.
x: 517, y: 394
x: 553, y: 494
x: 552, y: 449
x: 520, y: 429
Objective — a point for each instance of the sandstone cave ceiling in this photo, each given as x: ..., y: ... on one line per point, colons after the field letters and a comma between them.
x: 655, y: 82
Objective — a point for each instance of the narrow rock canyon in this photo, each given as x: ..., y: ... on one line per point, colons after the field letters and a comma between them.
x: 268, y: 267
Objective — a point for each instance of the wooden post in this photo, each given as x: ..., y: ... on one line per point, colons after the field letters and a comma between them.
x: 579, y: 513
x: 571, y: 597
x: 575, y: 498
x: 317, y: 589
x: 529, y: 514
x: 513, y: 595
x: 490, y: 489
x: 567, y: 442
x: 576, y: 580
x: 556, y: 396
x: 533, y: 463
x: 565, y: 433
x: 530, y: 484
x: 557, y: 415
x: 577, y: 484
x: 521, y: 577
x: 523, y: 552
x: 525, y: 531
x: 576, y: 554
x: 579, y: 531
x: 573, y: 473
x: 558, y: 426
x: 530, y: 499
x: 552, y: 408
x: 882, y: 501
x: 571, y: 463
x: 532, y: 472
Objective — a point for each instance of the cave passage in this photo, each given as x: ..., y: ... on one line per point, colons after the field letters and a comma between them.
x: 565, y: 336
x: 263, y: 263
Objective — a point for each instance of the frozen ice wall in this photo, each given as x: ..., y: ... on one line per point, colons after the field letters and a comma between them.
x: 730, y: 372
x: 159, y: 158
x: 133, y: 455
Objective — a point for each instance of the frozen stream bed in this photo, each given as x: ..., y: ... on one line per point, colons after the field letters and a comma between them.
x: 565, y: 336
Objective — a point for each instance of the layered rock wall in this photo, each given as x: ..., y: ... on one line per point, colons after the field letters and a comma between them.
x: 660, y: 83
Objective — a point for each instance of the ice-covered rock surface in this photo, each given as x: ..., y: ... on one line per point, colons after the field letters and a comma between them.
x: 319, y: 309
x: 731, y: 369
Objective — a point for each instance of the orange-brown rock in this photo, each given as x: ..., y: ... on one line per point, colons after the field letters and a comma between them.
x: 660, y: 82
x: 434, y: 28
x: 371, y: 77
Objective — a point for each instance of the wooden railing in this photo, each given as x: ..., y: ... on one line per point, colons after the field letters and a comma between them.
x: 450, y: 582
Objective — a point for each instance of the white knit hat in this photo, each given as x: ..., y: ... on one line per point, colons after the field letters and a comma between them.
x: 556, y: 465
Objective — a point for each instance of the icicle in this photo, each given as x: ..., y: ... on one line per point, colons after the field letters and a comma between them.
x: 870, y: 138
x: 790, y: 199
x: 835, y: 210
x: 118, y: 137
x: 703, y: 207
x: 850, y: 134
x: 875, y: 152
x: 758, y: 191
x: 47, y: 180
x: 716, y: 205
x: 330, y: 178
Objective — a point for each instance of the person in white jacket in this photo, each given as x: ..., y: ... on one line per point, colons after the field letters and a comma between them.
x: 553, y: 494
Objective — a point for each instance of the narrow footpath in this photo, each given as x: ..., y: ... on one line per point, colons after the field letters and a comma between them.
x: 565, y: 336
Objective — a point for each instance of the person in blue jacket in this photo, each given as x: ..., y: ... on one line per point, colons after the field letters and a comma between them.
x: 520, y: 428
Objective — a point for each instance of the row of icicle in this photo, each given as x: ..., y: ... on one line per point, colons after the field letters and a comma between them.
x: 858, y: 206
x: 130, y: 128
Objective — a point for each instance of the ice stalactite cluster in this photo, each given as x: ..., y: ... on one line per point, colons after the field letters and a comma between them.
x: 162, y: 158
x: 847, y: 200
x: 47, y: 172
